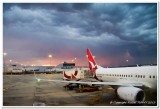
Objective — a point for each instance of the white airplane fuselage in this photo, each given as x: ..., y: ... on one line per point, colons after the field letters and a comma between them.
x: 146, y: 75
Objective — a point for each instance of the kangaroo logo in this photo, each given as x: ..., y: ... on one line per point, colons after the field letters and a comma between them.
x: 92, y: 65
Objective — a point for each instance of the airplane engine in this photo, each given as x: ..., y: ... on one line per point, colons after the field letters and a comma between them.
x: 130, y: 93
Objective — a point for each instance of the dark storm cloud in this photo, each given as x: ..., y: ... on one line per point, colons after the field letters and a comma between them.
x: 110, y: 29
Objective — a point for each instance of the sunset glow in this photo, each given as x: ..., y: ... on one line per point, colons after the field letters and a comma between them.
x: 49, y: 34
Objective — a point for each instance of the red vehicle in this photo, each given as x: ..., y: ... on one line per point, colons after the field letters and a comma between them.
x: 87, y: 88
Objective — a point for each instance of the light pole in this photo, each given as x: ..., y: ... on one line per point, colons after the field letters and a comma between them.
x: 50, y: 56
x: 10, y: 66
x: 10, y: 62
x: 75, y: 59
x: 4, y: 61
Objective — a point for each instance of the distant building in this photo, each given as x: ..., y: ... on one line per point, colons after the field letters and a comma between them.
x: 68, y: 65
x: 18, y: 69
x: 15, y: 69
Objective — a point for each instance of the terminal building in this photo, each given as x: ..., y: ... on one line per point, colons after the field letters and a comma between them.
x: 68, y: 65
x: 18, y: 69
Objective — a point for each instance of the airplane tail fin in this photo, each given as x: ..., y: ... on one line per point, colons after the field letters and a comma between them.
x: 91, y: 61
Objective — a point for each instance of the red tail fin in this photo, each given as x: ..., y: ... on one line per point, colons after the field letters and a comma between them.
x: 91, y: 61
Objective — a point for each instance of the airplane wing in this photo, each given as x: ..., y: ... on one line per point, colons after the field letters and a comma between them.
x: 91, y: 83
x: 95, y: 83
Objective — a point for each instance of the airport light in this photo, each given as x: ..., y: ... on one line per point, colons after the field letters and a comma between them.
x: 10, y: 66
x: 4, y: 61
x: 50, y: 56
x: 75, y: 60
x: 10, y: 62
x: 4, y: 54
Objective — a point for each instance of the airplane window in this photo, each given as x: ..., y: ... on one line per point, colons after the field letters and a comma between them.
x: 153, y: 76
x: 131, y: 75
x: 120, y: 75
x: 150, y: 76
x: 136, y: 75
x: 128, y: 75
x: 143, y: 76
x: 124, y: 75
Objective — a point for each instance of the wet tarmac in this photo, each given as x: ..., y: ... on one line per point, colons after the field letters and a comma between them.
x: 24, y: 90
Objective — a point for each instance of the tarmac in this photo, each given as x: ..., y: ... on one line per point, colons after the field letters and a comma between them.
x: 25, y: 90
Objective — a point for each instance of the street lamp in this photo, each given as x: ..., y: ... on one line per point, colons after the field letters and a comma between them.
x: 4, y: 61
x: 10, y: 66
x: 75, y: 59
x: 50, y: 56
x: 4, y: 54
x: 10, y: 62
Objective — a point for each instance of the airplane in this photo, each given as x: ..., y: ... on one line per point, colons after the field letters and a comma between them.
x: 75, y: 74
x: 129, y: 82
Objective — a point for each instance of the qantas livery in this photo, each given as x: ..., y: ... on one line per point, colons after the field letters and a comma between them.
x: 73, y: 74
x: 129, y: 82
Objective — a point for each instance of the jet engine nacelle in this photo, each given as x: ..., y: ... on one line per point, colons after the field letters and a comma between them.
x: 131, y: 93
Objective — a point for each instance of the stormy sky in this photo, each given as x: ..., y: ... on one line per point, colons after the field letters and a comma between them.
x: 117, y: 33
